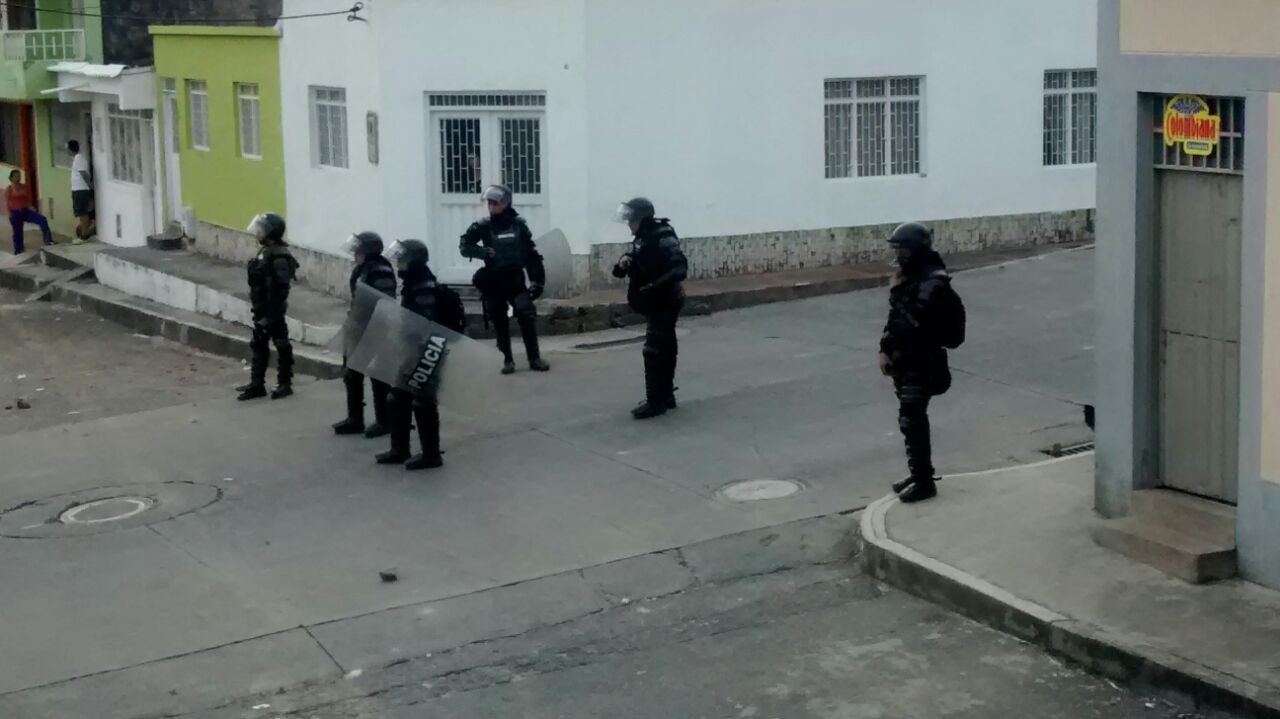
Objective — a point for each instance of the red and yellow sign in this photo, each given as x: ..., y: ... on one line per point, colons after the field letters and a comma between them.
x: 1187, y: 120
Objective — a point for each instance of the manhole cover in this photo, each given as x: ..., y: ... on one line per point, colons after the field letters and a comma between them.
x: 755, y: 490
x: 104, y: 509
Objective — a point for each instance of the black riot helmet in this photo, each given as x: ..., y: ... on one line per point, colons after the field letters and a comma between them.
x: 909, y: 239
x: 366, y: 244
x: 409, y: 254
x: 635, y: 210
x: 267, y: 227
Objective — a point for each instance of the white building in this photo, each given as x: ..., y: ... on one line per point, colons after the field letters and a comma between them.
x: 770, y: 132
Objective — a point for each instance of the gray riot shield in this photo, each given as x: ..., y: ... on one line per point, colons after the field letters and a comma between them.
x: 556, y: 257
x: 418, y: 356
x: 363, y: 303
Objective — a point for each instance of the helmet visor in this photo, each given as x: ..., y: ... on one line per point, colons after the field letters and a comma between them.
x: 352, y: 245
x: 625, y: 214
x: 258, y: 227
x: 495, y: 194
x: 395, y: 253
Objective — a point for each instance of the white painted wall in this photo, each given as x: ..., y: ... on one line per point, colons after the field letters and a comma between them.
x: 714, y: 109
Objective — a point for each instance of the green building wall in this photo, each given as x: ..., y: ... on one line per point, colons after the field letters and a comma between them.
x: 223, y: 187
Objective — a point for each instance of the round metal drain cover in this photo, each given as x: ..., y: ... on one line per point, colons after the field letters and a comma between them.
x: 755, y: 490
x: 104, y: 509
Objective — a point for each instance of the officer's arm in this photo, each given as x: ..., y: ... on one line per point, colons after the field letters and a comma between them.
x: 469, y: 245
x: 677, y: 264
x: 281, y: 275
x: 619, y: 271
x: 384, y: 282
x: 533, y: 262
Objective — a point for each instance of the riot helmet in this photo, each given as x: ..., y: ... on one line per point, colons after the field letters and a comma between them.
x: 409, y: 254
x: 497, y: 197
x: 908, y: 239
x: 363, y: 244
x: 635, y: 210
x: 267, y: 227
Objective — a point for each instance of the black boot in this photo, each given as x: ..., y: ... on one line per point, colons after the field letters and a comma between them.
x: 254, y: 391
x: 424, y: 461
x: 508, y: 366
x: 899, y: 486
x: 649, y: 409
x: 282, y: 391
x: 537, y: 364
x: 392, y: 456
x: 245, y: 387
x: 348, y: 426
x: 398, y: 413
x: 919, y: 491
x: 529, y: 333
x: 375, y: 430
x: 380, y: 421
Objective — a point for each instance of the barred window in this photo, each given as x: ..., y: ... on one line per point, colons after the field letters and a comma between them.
x: 1070, y: 117
x: 873, y: 126
x: 128, y: 142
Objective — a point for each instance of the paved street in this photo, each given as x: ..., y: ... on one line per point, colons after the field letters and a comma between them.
x: 257, y: 565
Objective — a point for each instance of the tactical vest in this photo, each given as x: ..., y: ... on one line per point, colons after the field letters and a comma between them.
x: 508, y: 248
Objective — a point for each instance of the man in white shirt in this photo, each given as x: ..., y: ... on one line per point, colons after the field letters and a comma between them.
x: 81, y: 193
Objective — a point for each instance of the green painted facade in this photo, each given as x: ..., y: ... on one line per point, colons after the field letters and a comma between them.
x: 220, y: 184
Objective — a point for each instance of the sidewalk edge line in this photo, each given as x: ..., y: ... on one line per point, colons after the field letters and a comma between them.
x: 1093, y: 647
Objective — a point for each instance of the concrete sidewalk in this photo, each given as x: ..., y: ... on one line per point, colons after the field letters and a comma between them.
x: 1012, y: 548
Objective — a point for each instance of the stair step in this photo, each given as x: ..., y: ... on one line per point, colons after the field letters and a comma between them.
x: 1186, y: 557
x: 1211, y: 521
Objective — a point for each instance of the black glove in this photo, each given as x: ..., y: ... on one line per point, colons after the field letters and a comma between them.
x: 535, y: 291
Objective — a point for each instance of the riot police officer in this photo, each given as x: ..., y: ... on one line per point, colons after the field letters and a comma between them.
x: 375, y: 271
x: 657, y: 268
x: 270, y: 273
x: 925, y: 317
x: 504, y: 242
x: 418, y: 294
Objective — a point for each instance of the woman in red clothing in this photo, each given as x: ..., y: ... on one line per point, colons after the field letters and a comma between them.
x: 18, y: 198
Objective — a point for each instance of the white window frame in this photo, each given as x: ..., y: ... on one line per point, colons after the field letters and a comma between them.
x: 169, y: 95
x: 1076, y: 85
x: 855, y: 98
x: 330, y: 143
x: 249, y: 119
x: 198, y: 114
x: 128, y: 143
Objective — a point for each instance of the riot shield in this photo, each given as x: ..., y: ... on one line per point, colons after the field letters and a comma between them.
x: 415, y: 355
x: 556, y: 257
x: 363, y: 303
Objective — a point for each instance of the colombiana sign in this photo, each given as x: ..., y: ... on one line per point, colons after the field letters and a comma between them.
x: 1187, y: 120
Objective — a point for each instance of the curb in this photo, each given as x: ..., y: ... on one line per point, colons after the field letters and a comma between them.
x: 1098, y: 650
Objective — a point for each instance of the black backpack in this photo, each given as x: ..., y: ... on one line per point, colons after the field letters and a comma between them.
x: 949, y: 315
x: 449, y: 310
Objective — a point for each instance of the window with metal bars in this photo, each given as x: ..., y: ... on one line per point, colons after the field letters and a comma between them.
x: 872, y: 126
x: 460, y: 155
x: 1227, y: 156
x: 329, y: 126
x: 1070, y: 117
x: 127, y: 128
x: 522, y: 155
x: 479, y: 99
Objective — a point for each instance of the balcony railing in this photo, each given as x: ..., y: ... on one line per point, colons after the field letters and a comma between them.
x: 43, y: 45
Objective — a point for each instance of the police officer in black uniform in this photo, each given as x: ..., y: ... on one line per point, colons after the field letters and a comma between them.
x: 910, y: 352
x: 374, y: 270
x: 270, y: 275
x: 656, y: 267
x: 418, y: 294
x: 504, y: 242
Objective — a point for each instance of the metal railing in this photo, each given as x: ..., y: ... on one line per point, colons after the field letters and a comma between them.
x: 43, y: 45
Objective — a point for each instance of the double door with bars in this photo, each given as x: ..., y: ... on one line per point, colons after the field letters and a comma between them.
x: 475, y: 145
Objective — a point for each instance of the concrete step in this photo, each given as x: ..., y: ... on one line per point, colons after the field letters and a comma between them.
x: 30, y: 277
x: 1213, y: 522
x: 198, y: 283
x: 66, y: 256
x: 1179, y: 554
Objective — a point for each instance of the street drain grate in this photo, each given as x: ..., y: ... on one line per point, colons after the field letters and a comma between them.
x: 755, y: 490
x: 104, y: 509
x: 111, y: 509
x: 1070, y: 450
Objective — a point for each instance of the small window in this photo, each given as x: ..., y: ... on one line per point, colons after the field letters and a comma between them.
x: 329, y: 126
x: 872, y: 126
x: 250, y: 120
x: 198, y: 107
x: 127, y: 143
x: 1070, y: 117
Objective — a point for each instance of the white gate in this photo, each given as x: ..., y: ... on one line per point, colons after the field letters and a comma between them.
x: 476, y: 140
